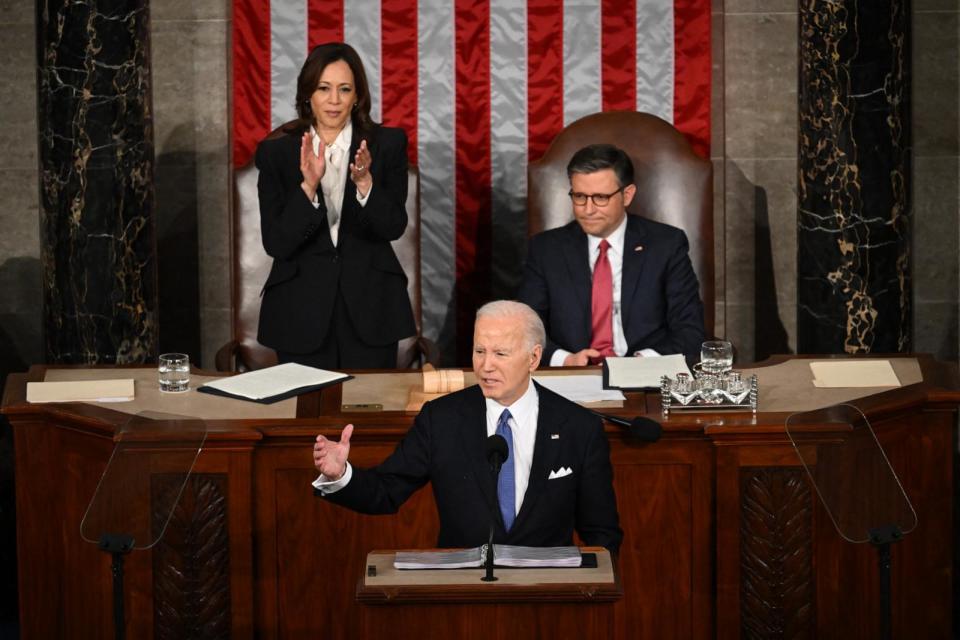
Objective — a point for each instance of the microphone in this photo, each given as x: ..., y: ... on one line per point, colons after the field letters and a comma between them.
x: 497, y: 452
x: 639, y: 428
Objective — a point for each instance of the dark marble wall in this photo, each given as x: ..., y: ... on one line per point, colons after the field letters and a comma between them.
x: 96, y: 196
x: 853, y: 247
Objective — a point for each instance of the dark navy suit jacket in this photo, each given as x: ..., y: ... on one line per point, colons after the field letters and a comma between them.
x: 660, y: 296
x: 446, y: 447
x: 308, y: 270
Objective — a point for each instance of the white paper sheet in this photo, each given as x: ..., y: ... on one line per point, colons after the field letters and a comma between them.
x: 580, y: 388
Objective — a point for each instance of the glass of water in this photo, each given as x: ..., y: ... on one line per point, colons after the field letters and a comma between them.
x: 716, y: 356
x: 174, y: 372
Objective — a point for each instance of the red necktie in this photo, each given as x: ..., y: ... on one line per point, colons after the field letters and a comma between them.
x: 601, y: 304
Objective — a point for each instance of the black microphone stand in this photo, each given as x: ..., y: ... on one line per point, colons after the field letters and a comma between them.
x: 496, y: 454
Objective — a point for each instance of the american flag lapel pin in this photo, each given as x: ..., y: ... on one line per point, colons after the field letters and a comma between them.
x: 639, y: 247
x: 554, y: 436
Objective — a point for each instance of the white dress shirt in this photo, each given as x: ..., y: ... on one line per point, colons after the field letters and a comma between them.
x: 523, y: 422
x: 334, y: 180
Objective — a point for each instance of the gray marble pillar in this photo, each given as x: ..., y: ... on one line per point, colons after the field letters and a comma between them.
x: 853, y: 255
x: 96, y: 173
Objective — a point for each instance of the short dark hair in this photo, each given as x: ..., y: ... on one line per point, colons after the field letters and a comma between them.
x: 309, y: 78
x: 598, y: 157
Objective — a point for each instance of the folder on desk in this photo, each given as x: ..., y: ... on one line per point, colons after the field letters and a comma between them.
x: 635, y: 374
x: 274, y: 383
x: 81, y: 391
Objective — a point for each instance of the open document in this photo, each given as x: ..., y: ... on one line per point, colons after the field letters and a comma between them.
x: 504, y: 555
x: 274, y: 383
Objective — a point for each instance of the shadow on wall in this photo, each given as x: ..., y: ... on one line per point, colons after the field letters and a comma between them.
x: 178, y: 260
x: 769, y: 336
x: 20, y: 346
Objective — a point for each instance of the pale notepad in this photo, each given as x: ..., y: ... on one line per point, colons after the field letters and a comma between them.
x: 81, y: 391
x: 853, y: 373
x: 640, y: 373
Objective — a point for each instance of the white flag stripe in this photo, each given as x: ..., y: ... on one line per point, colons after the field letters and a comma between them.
x: 508, y: 138
x: 288, y: 42
x: 581, y: 60
x: 361, y: 29
x: 435, y: 157
x: 655, y: 57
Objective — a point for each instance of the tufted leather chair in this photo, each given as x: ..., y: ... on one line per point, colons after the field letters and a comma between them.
x: 251, y: 265
x: 674, y: 184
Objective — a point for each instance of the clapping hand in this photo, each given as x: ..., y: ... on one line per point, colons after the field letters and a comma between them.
x: 360, y: 169
x: 312, y: 165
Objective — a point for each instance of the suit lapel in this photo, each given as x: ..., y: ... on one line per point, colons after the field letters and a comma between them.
x: 634, y: 257
x: 473, y: 437
x: 578, y: 270
x: 545, y: 456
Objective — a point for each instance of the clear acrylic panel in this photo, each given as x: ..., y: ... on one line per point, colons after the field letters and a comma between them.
x: 850, y: 471
x: 146, y: 474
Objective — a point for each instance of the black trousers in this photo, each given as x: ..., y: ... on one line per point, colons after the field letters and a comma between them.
x: 343, y: 349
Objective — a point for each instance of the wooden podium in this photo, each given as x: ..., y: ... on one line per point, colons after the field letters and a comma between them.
x: 723, y: 535
x: 455, y: 603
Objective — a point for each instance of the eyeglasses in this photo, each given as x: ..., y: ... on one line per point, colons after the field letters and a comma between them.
x: 599, y: 199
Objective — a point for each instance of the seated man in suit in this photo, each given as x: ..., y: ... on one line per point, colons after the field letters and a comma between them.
x: 610, y: 283
x: 557, y: 477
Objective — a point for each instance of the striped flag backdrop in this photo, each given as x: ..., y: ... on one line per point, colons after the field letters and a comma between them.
x: 481, y: 87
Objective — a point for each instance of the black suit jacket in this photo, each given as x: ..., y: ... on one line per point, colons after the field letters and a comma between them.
x: 660, y: 296
x: 446, y: 447
x: 308, y: 270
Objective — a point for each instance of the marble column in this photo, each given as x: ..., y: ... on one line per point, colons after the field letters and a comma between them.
x: 853, y: 254
x: 96, y: 173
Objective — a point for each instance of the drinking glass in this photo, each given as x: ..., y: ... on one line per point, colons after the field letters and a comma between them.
x: 716, y: 356
x: 174, y: 372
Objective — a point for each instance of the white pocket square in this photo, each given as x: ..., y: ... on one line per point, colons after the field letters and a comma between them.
x: 560, y: 473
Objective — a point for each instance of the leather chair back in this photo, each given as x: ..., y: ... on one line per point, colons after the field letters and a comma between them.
x: 251, y: 265
x: 674, y: 184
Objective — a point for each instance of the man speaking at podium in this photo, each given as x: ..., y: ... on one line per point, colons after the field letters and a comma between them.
x: 557, y: 476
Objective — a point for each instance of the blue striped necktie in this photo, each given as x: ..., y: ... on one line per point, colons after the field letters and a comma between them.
x: 506, y: 483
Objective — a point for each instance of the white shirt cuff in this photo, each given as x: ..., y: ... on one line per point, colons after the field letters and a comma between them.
x: 363, y: 200
x: 646, y: 353
x: 326, y: 486
x: 556, y: 360
x: 316, y: 200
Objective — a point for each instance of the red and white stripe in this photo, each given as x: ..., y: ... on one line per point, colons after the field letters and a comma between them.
x: 481, y: 87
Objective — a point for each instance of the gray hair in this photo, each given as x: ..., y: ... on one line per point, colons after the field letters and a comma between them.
x: 533, y: 331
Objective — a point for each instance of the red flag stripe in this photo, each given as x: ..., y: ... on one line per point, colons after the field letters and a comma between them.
x: 618, y: 53
x: 324, y: 22
x: 691, y: 71
x: 472, y: 164
x: 544, y: 74
x: 251, y: 77
x: 398, y: 60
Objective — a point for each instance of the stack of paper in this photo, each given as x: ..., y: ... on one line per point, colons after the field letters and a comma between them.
x: 853, y: 373
x: 642, y: 373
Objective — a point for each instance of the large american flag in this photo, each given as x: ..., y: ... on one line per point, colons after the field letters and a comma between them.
x: 481, y: 87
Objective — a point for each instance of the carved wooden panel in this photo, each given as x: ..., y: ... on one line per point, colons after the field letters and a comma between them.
x: 776, y: 554
x: 191, y: 563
